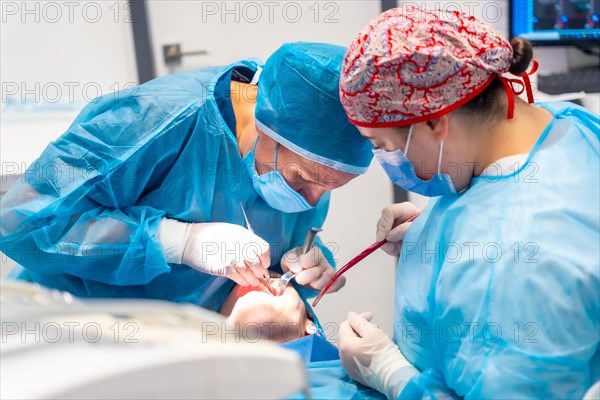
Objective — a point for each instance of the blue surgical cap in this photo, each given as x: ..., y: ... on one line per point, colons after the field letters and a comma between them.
x: 299, y: 106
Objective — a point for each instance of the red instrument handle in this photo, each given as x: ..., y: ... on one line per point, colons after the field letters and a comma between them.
x: 353, y: 262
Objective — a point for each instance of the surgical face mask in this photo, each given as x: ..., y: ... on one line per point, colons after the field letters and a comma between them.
x: 402, y: 172
x: 273, y: 188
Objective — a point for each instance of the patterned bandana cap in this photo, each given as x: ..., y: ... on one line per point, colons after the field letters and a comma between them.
x: 414, y: 65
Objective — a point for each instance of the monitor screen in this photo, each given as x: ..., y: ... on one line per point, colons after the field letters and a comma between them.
x: 556, y: 22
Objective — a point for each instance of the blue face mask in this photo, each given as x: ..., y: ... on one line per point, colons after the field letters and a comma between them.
x: 273, y: 188
x: 402, y: 172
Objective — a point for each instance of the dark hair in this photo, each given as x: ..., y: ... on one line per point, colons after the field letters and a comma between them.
x: 491, y: 103
x: 522, y: 55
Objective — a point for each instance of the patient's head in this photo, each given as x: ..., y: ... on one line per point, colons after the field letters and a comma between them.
x: 258, y: 312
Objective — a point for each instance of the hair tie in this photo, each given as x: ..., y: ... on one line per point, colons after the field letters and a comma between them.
x: 525, y: 85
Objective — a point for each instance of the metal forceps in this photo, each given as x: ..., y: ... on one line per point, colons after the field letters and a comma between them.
x: 309, y: 240
x: 267, y: 276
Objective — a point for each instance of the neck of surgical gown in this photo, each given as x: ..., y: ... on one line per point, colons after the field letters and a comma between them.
x: 498, y: 289
x: 85, y: 216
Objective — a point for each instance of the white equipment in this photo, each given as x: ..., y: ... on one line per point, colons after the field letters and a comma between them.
x: 57, y: 347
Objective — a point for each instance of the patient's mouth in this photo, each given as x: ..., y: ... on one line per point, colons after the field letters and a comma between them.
x: 244, y: 290
x: 262, y: 287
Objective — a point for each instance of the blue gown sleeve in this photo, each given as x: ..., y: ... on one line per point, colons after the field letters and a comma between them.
x: 542, y: 347
x: 76, y: 211
x: 429, y: 384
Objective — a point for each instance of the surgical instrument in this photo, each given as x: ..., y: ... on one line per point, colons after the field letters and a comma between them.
x: 355, y: 261
x: 309, y: 240
x: 267, y: 276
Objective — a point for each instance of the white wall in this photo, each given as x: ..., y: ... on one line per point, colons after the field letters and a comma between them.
x: 233, y: 30
x: 57, y: 48
x: 54, y: 58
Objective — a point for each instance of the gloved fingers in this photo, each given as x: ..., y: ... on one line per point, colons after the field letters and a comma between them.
x: 393, y: 216
x: 265, y: 259
x: 265, y: 255
x: 294, y: 261
x: 385, y: 223
x: 256, y: 268
x: 256, y: 250
x: 349, y: 346
x: 368, y: 315
x: 247, y: 273
x: 257, y: 264
x: 393, y: 249
x: 239, y: 279
x: 397, y: 234
x: 360, y: 325
x: 291, y: 261
x: 349, y: 340
x: 317, y: 271
x: 327, y: 275
x: 321, y: 282
x: 257, y: 256
x: 231, y: 272
x: 309, y: 276
x: 313, y: 258
x: 337, y: 285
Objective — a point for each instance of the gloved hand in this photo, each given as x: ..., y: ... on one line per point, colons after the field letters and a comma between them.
x: 391, y: 227
x: 314, y: 271
x: 371, y: 358
x: 216, y: 248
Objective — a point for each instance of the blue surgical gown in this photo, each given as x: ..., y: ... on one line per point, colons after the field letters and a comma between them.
x: 498, y: 289
x: 326, y: 376
x: 84, y: 218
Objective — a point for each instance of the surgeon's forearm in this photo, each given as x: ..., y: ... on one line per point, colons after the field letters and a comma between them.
x: 114, y: 246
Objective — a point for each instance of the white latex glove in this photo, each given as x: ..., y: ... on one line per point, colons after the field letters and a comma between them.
x: 313, y: 269
x: 371, y: 358
x: 391, y: 227
x: 216, y: 248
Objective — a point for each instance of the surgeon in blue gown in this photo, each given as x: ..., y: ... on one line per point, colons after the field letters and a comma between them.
x: 498, y: 279
x: 140, y: 197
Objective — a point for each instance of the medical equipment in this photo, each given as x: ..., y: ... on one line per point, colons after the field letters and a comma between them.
x: 267, y: 275
x: 246, y: 218
x: 108, y: 349
x: 353, y: 262
x: 309, y: 240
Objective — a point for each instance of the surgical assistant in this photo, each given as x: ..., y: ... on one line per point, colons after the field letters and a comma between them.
x: 498, y: 282
x: 144, y: 190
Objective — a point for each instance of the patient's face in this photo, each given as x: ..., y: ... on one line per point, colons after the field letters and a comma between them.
x: 276, y: 318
